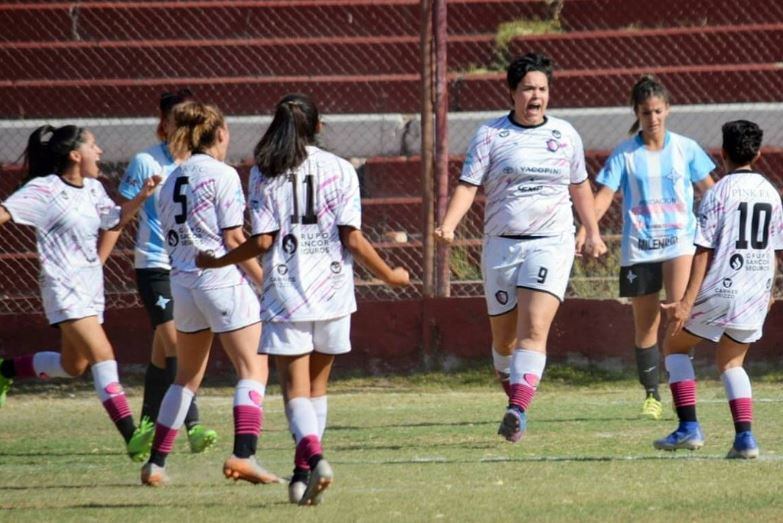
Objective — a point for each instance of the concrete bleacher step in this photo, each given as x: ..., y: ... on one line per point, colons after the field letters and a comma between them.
x: 247, y: 95
x: 246, y: 19
x: 368, y: 55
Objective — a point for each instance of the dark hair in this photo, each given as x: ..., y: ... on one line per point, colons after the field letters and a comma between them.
x: 293, y: 127
x: 196, y: 127
x: 169, y: 99
x: 43, y: 156
x: 645, y: 88
x: 526, y: 63
x: 741, y: 141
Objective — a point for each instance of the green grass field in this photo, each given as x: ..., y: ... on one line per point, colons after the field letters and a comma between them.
x: 419, y: 449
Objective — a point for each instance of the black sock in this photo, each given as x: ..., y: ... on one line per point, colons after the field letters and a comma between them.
x: 687, y: 413
x: 313, y: 461
x: 7, y: 368
x: 158, y: 458
x: 742, y: 426
x: 126, y: 427
x: 155, y: 386
x: 245, y: 445
x: 647, y: 368
x: 300, y: 475
x: 191, y: 418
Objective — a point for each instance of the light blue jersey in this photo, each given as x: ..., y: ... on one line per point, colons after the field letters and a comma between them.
x: 150, y: 250
x: 657, y: 188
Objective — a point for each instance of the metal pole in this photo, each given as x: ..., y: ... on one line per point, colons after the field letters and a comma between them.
x: 427, y: 185
x: 441, y: 138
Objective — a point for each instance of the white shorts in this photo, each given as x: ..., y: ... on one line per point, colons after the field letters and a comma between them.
x: 714, y: 332
x: 223, y: 309
x: 542, y: 264
x: 294, y: 338
x: 78, y: 297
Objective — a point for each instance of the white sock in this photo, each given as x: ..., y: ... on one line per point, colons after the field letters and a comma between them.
x: 680, y: 368
x: 525, y: 363
x: 249, y: 392
x: 174, y: 407
x: 304, y: 422
x: 49, y: 365
x: 737, y: 383
x: 106, y: 379
x: 320, y: 406
x: 501, y: 363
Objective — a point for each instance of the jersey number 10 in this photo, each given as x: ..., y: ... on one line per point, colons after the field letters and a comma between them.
x: 755, y: 224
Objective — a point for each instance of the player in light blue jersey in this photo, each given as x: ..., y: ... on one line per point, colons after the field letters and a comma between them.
x: 153, y: 274
x: 655, y: 171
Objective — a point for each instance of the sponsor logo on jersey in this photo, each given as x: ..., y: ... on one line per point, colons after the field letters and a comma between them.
x: 653, y: 244
x: 556, y: 133
x: 527, y: 188
x: 736, y: 262
x: 289, y: 243
x: 727, y: 283
x: 172, y: 238
x: 282, y: 269
x: 508, y: 170
x: 336, y: 267
x: 504, y: 133
x: 501, y: 297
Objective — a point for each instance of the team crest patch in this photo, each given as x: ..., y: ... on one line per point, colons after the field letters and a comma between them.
x: 501, y: 297
x: 552, y: 145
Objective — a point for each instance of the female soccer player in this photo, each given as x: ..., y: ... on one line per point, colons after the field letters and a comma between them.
x: 306, y: 211
x: 67, y: 205
x: 655, y: 170
x: 728, y: 295
x: 153, y: 274
x: 532, y: 166
x: 201, y: 208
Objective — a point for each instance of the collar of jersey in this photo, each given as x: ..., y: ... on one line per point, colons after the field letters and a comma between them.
x: 666, y: 139
x: 522, y: 126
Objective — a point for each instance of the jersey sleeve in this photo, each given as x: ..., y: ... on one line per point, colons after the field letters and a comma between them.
x: 477, y: 161
x: 710, y: 215
x: 108, y: 211
x: 139, y: 170
x: 776, y: 227
x: 612, y: 173
x: 263, y: 217
x: 229, y: 200
x: 350, y: 209
x: 700, y: 164
x: 578, y: 170
x: 30, y: 204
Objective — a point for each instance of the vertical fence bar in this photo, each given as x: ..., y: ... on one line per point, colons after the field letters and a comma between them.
x: 441, y: 138
x: 427, y: 184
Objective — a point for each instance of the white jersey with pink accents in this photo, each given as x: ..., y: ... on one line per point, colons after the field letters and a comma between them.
x: 526, y: 173
x: 200, y: 199
x: 741, y: 220
x: 308, y: 273
x: 67, y: 219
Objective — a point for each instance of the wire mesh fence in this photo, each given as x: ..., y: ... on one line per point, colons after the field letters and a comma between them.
x: 103, y: 64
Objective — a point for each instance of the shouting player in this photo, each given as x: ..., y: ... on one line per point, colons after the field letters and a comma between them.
x: 728, y: 295
x: 531, y: 166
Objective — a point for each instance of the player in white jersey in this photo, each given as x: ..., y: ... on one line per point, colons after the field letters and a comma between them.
x: 151, y: 262
x: 729, y: 292
x: 66, y: 204
x: 655, y: 171
x: 532, y: 167
x: 306, y: 217
x: 201, y: 206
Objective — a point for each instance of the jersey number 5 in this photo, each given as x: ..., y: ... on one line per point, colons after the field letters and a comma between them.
x: 309, y: 217
x: 755, y: 224
x: 180, y: 198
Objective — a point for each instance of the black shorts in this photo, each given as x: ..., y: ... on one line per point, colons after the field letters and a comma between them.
x: 641, y: 279
x: 155, y: 290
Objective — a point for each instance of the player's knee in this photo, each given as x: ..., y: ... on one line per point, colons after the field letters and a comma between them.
x: 74, y: 367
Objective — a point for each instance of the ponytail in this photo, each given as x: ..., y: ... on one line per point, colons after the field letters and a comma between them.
x: 196, y: 127
x: 644, y: 88
x: 43, y: 157
x: 293, y: 128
